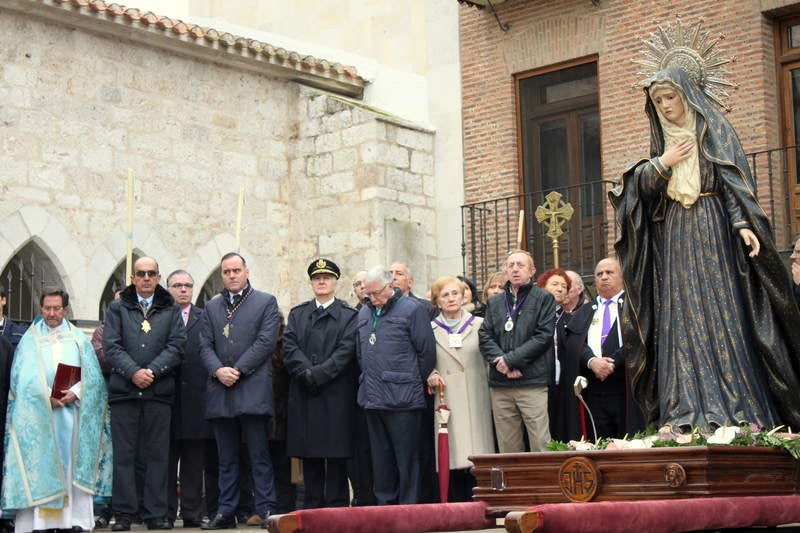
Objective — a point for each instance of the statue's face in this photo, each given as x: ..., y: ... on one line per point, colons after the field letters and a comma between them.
x: 670, y: 104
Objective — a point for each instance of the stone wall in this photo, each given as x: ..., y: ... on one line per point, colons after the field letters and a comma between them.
x: 321, y: 175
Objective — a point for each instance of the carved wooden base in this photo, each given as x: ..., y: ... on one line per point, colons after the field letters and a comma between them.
x: 514, y: 482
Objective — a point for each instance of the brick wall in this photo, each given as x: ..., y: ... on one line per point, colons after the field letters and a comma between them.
x: 544, y: 33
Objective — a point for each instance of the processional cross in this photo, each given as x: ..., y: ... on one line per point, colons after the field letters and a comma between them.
x: 554, y: 213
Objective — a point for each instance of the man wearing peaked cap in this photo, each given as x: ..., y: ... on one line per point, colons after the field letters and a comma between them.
x: 319, y: 354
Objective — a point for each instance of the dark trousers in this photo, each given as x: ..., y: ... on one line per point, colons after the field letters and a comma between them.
x: 282, y: 468
x: 228, y: 433
x: 143, y: 426
x: 198, y: 470
x: 359, y: 467
x: 394, y: 443
x: 609, y: 415
x: 325, y: 483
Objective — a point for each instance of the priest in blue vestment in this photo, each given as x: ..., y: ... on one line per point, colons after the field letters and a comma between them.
x: 58, y: 443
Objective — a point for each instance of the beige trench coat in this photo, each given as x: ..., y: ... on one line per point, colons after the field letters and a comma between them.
x: 466, y: 394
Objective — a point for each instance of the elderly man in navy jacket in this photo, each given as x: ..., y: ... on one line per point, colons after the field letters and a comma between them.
x: 240, y: 332
x: 396, y: 351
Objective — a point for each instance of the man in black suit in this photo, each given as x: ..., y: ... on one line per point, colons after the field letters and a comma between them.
x: 193, y: 441
x: 593, y: 336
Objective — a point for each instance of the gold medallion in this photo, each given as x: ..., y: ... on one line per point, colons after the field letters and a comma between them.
x: 373, y: 338
x: 146, y: 326
x: 226, y: 330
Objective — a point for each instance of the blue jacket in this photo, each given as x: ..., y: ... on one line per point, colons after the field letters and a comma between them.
x: 12, y: 332
x: 394, y: 368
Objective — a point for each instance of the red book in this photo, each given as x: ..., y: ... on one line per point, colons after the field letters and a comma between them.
x: 66, y: 377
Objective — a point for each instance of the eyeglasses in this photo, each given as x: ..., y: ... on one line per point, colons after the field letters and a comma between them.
x: 52, y: 308
x: 148, y: 273
x: 182, y: 285
x: 370, y: 294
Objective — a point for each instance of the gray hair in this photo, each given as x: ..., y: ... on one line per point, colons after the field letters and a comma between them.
x: 378, y: 273
x: 175, y: 273
x: 577, y: 280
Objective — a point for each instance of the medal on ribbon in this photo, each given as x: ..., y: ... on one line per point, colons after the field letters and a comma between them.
x: 372, y: 338
x: 226, y: 331
x: 512, y: 311
x: 146, y: 326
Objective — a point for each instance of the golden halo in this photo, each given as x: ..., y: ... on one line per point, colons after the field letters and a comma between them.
x: 691, y: 49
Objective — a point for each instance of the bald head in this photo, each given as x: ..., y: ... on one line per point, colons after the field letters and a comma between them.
x: 608, y: 277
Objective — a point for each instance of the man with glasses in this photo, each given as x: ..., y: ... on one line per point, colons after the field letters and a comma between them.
x: 143, y: 339
x: 56, y: 435
x: 193, y: 444
x: 396, y: 351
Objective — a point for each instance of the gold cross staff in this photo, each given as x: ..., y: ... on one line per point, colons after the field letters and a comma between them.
x: 554, y: 213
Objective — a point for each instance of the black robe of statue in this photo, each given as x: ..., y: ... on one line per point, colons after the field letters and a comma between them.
x: 710, y: 335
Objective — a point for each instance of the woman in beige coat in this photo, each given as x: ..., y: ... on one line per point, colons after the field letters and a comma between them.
x: 461, y: 370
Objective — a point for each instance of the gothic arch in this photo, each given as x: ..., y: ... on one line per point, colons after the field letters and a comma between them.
x: 34, y: 224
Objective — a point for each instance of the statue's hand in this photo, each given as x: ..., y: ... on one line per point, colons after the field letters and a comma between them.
x: 750, y: 240
x: 677, y: 153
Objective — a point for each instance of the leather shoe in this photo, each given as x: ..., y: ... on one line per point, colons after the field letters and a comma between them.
x: 158, y: 523
x: 191, y: 523
x: 220, y: 522
x: 122, y: 524
x: 264, y: 520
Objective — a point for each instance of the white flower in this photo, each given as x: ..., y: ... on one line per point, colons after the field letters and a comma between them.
x: 723, y: 435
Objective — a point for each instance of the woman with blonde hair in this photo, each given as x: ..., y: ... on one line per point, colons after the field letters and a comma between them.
x: 461, y: 371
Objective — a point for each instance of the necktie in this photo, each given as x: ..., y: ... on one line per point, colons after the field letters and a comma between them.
x: 185, y: 314
x: 145, y: 304
x: 606, y: 321
x: 236, y: 299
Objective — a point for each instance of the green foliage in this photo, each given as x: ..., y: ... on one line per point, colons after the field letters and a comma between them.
x: 558, y: 446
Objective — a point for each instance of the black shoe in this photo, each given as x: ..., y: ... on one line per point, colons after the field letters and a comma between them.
x: 189, y: 523
x: 158, y: 523
x: 264, y: 520
x: 220, y: 522
x: 100, y: 522
x: 122, y: 524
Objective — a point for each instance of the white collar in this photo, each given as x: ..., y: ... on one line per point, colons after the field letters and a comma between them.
x: 325, y: 305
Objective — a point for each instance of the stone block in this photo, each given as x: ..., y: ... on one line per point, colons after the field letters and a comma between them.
x: 13, y: 170
x: 337, y: 121
x: 320, y: 165
x: 151, y: 146
x: 403, y: 180
x: 273, y: 169
x: 393, y: 155
x: 417, y: 140
x: 411, y: 199
x: 336, y: 183
x: 239, y: 164
x: 328, y: 142
x: 345, y: 159
x: 97, y: 158
x: 364, y: 132
x: 46, y: 175
x: 421, y: 162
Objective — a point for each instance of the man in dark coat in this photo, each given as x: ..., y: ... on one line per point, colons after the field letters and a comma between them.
x: 8, y: 329
x: 515, y: 338
x: 193, y: 446
x: 143, y: 340
x: 319, y: 353
x: 396, y: 352
x: 239, y: 335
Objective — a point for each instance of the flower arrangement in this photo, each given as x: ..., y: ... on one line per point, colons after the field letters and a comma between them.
x: 744, y: 435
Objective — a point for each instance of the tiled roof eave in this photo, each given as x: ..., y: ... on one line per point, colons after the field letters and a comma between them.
x: 114, y: 20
